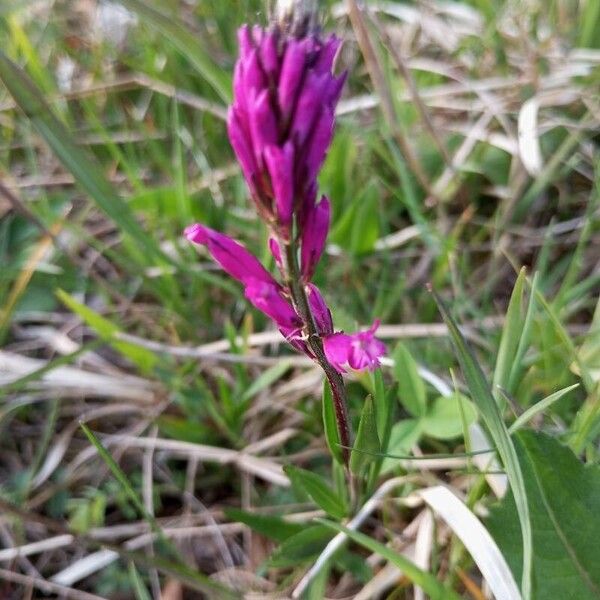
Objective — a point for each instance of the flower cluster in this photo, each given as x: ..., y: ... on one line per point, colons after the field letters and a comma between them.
x: 280, y: 126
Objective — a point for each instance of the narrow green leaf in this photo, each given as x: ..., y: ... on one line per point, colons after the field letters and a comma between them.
x: 141, y: 593
x: 302, y: 547
x: 142, y: 357
x: 265, y: 379
x: 539, y: 407
x: 332, y: 435
x: 411, y: 388
x: 270, y: 526
x: 367, y: 440
x: 511, y: 335
x: 187, y: 43
x: 431, y: 586
x: 384, y: 404
x: 83, y: 167
x: 119, y: 476
x: 488, y: 408
x: 517, y: 368
x: 313, y: 485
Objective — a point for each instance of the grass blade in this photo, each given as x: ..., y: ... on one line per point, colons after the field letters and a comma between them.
x: 187, y: 43
x: 431, y: 586
x: 83, y: 167
x: 511, y: 336
x: 539, y: 407
x: 490, y: 412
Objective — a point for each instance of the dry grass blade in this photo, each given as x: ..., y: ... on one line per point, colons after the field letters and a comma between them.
x: 476, y: 539
x: 64, y: 378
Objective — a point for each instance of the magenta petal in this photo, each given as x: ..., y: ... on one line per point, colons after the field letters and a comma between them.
x: 324, y: 62
x: 253, y: 76
x: 268, y: 299
x: 275, y: 251
x: 269, y: 54
x: 233, y: 257
x: 292, y: 69
x: 314, y: 234
x: 263, y: 124
x: 334, y: 90
x: 294, y: 337
x: 241, y: 147
x: 310, y: 100
x: 366, y: 349
x: 245, y: 41
x: 337, y: 347
x: 320, y: 310
x: 359, y: 351
x: 319, y: 142
x: 280, y: 163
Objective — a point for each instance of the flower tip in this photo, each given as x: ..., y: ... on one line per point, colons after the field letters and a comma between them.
x: 196, y: 233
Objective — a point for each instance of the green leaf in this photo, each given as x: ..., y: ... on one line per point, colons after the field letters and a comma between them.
x: 405, y: 434
x: 265, y: 379
x: 511, y: 334
x: 313, y: 485
x: 142, y: 357
x: 444, y: 420
x: 411, y: 388
x: 188, y: 44
x: 431, y: 586
x: 367, y: 439
x: 74, y: 158
x: 302, y: 547
x: 332, y: 435
x: 358, y: 229
x: 539, y: 407
x: 141, y: 593
x: 564, y: 497
x: 488, y: 408
x: 270, y: 526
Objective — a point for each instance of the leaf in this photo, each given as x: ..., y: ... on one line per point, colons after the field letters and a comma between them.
x: 358, y: 229
x: 302, y: 547
x: 268, y: 377
x: 511, y: 334
x: 142, y: 357
x: 85, y: 170
x: 141, y: 593
x: 488, y: 408
x: 431, y: 586
x: 270, y: 526
x: 411, y: 388
x: 564, y: 497
x: 538, y: 407
x: 313, y: 485
x: 187, y: 43
x: 367, y: 439
x: 444, y: 420
x: 405, y: 434
x: 332, y: 435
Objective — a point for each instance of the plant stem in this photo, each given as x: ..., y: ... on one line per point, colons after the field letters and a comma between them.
x: 302, y: 306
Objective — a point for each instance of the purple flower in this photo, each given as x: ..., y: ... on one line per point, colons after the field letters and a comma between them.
x: 320, y: 310
x: 282, y: 118
x: 359, y: 351
x: 268, y: 298
x: 235, y: 260
x: 280, y: 126
x: 314, y: 234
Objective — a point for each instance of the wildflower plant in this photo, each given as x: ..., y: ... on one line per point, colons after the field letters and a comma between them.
x: 281, y: 125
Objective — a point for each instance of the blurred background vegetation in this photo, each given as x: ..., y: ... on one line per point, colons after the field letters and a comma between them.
x: 466, y: 148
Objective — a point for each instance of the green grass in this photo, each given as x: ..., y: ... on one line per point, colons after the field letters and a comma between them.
x: 100, y: 174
